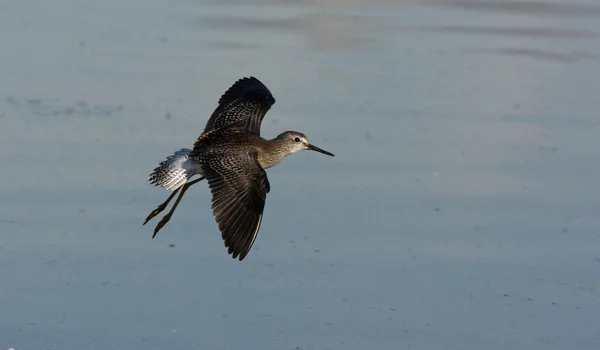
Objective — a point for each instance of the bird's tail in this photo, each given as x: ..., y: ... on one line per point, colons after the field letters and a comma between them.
x: 174, y: 171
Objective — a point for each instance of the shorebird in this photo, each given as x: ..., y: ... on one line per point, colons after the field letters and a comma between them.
x: 232, y: 156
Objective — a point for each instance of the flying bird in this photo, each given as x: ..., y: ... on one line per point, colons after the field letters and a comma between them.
x: 232, y: 156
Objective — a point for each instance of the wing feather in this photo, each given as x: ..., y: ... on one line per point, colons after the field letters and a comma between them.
x: 239, y: 188
x: 247, y: 102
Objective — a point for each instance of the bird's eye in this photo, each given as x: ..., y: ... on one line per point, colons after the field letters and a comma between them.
x: 296, y: 139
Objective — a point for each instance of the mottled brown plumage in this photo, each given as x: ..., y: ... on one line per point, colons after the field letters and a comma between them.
x: 232, y: 156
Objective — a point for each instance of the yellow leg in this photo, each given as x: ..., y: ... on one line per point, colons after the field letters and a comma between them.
x: 167, y: 217
x: 162, y: 207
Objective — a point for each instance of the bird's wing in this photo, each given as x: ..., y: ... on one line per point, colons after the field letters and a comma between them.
x: 245, y: 103
x: 175, y: 170
x: 239, y: 187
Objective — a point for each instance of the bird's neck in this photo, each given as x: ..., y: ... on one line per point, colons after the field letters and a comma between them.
x: 272, y: 153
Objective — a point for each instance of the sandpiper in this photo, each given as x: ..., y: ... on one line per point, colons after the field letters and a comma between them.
x: 232, y: 156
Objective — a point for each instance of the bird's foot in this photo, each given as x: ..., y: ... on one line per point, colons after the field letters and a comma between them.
x: 161, y: 224
x: 155, y: 212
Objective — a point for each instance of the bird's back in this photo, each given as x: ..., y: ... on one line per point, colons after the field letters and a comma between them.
x: 228, y: 140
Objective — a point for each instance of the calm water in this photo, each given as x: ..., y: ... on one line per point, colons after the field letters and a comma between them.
x: 461, y: 210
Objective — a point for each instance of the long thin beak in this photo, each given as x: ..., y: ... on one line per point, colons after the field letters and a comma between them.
x: 317, y: 149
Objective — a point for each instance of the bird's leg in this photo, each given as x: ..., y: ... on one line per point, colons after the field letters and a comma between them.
x: 162, y: 207
x: 167, y: 217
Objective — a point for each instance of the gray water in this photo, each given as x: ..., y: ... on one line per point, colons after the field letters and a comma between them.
x: 461, y: 210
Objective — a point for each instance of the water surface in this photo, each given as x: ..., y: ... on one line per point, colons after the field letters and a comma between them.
x: 460, y: 211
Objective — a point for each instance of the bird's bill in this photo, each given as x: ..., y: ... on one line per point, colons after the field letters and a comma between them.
x: 317, y: 149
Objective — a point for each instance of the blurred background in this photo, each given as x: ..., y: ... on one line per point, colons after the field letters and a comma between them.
x: 460, y: 211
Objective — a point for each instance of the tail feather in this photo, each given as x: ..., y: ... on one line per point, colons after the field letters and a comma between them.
x: 174, y: 171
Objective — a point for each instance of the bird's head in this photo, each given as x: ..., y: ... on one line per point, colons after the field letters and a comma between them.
x: 294, y: 141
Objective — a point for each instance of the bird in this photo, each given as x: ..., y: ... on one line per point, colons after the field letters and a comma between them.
x: 232, y: 156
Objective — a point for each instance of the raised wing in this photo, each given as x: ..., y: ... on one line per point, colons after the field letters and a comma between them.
x: 239, y: 187
x: 245, y: 103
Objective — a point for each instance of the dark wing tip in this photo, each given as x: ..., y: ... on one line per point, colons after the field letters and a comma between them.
x: 240, y: 238
x: 248, y: 88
